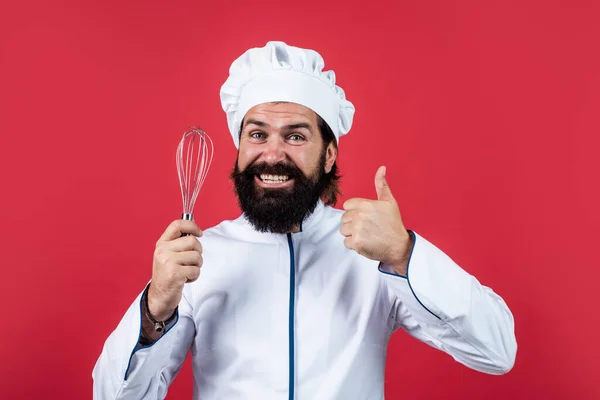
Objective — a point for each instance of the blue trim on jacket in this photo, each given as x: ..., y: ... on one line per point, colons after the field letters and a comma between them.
x: 291, y: 315
x: 136, y: 348
x: 407, y: 274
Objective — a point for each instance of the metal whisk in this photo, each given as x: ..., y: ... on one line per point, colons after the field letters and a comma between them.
x: 194, y: 156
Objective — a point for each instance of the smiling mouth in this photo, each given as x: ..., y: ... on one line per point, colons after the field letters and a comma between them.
x: 268, y: 178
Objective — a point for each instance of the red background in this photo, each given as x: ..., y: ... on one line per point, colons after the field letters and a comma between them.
x: 485, y: 113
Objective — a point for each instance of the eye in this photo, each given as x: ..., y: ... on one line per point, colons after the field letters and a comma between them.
x: 295, y: 137
x: 257, y: 135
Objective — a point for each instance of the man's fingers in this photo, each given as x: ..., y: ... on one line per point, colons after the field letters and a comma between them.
x: 180, y: 227
x: 349, y: 242
x: 353, y: 204
x: 191, y: 273
x: 346, y: 229
x: 189, y: 258
x: 349, y: 216
x: 184, y: 243
x: 382, y: 188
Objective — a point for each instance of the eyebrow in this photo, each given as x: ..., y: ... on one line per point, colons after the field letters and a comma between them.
x: 301, y: 125
x: 256, y: 122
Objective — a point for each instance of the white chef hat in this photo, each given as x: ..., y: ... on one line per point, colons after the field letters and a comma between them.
x: 278, y: 72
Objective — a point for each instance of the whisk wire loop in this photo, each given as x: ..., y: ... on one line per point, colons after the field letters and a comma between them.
x: 194, y: 157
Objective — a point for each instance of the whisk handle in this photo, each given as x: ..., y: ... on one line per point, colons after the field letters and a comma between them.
x: 187, y: 217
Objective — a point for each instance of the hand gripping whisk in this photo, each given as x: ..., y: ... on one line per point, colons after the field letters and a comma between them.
x: 194, y: 156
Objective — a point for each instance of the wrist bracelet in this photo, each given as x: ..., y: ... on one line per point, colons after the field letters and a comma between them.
x: 159, y: 326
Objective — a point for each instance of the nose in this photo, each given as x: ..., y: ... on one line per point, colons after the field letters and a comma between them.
x: 274, y: 151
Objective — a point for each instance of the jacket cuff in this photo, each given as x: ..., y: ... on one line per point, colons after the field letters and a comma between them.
x: 432, y: 287
x: 142, y: 343
x: 403, y: 286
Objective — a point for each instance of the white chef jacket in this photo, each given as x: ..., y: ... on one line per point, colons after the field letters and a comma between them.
x: 299, y: 316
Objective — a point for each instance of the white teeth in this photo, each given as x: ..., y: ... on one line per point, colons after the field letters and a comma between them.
x: 273, y: 178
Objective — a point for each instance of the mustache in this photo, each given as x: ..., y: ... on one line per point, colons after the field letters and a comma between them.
x: 280, y: 168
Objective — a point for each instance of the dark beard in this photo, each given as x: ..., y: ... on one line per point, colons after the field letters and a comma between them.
x: 278, y: 210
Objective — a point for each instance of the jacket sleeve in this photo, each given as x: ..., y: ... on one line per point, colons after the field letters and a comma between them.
x: 126, y: 370
x: 442, y: 305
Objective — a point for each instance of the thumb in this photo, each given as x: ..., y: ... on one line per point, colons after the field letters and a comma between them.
x: 383, y: 190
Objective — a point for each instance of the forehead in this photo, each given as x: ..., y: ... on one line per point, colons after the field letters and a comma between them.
x: 281, y: 113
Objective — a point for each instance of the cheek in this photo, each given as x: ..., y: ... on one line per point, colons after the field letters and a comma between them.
x: 246, y: 156
x: 241, y: 163
x: 304, y: 160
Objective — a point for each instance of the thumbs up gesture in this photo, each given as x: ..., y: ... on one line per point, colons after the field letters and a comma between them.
x: 374, y: 228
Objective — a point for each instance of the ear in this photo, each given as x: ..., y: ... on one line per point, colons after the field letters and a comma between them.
x: 330, y: 156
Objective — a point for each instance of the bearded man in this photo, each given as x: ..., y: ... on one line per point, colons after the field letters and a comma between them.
x: 295, y: 299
